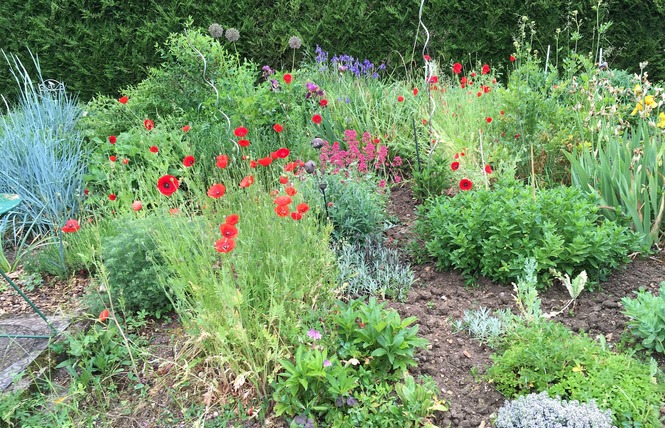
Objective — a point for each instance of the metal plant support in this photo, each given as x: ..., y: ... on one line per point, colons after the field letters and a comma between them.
x: 7, y: 202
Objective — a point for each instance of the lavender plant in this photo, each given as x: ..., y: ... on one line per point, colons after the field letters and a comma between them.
x: 542, y: 411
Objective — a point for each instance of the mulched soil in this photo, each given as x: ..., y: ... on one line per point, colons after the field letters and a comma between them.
x: 438, y: 298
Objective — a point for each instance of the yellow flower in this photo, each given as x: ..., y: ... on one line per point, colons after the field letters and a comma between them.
x: 661, y: 120
x: 649, y: 101
x: 638, y: 90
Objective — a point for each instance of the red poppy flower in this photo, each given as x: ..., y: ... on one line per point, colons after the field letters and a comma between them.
x: 247, y: 181
x: 167, y: 185
x: 125, y: 161
x: 112, y: 197
x: 243, y: 143
x: 473, y: 74
x: 287, y: 78
x: 282, y: 200
x: 232, y: 219
x: 282, y: 210
x: 252, y: 164
x: 465, y: 184
x: 112, y: 139
x: 240, y: 131
x: 302, y: 208
x: 488, y: 119
x: 480, y: 93
x: 501, y: 112
x: 71, y: 226
x: 228, y: 231
x: 137, y: 205
x: 454, y: 166
x: 104, y: 315
x: 512, y: 58
x: 463, y: 80
x: 290, y: 191
x: 488, y: 169
x: 283, y: 179
x: 296, y: 215
x: 216, y: 191
x: 283, y: 152
x: 432, y: 80
x: 112, y: 158
x: 123, y: 100
x: 222, y: 161
x: 457, y: 68
x: 317, y: 118
x: 400, y: 98
x: 415, y: 91
x: 486, y: 89
x: 86, y: 192
x: 149, y: 124
x: 225, y: 245
x: 188, y: 161
x: 277, y: 127
x: 427, y: 58
x: 323, y: 103
x: 486, y: 69
x: 265, y: 161
x: 154, y: 149
x: 186, y: 128
x: 174, y: 211
x: 289, y: 167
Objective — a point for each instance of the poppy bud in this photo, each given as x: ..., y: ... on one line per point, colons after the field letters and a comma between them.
x: 310, y: 167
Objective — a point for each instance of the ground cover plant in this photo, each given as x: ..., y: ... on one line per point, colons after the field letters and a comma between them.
x: 234, y: 223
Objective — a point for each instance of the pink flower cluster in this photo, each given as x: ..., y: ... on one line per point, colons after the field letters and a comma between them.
x: 366, y: 155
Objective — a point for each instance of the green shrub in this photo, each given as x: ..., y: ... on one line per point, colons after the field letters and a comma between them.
x: 493, y: 232
x: 546, y: 356
x: 134, y: 265
x: 355, y: 208
x: 647, y: 318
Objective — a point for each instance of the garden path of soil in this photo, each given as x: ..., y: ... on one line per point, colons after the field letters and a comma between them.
x: 438, y: 298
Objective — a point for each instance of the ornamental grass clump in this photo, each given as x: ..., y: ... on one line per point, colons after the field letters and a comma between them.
x: 541, y: 411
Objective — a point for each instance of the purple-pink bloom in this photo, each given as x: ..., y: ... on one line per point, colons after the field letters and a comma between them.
x: 326, y: 363
x: 314, y: 334
x: 382, y: 183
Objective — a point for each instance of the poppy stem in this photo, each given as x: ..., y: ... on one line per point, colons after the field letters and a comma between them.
x: 415, y: 137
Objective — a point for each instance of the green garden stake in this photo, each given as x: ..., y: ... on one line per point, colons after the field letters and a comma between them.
x: 7, y: 202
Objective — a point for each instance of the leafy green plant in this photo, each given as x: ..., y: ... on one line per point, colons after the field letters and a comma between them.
x: 372, y: 269
x: 647, y: 318
x: 627, y: 173
x: 370, y: 330
x: 432, y: 180
x: 492, y: 233
x: 133, y: 263
x: 97, y: 357
x: 546, y: 356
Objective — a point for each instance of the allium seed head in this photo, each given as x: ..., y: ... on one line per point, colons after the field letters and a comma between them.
x: 295, y: 42
x: 216, y: 31
x: 232, y: 35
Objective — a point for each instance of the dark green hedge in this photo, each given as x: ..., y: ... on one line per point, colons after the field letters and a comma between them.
x: 101, y: 46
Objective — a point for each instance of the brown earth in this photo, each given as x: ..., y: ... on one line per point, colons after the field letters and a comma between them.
x: 455, y: 360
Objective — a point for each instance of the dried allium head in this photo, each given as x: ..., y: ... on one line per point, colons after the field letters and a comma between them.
x: 295, y: 42
x: 216, y: 31
x: 232, y: 35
